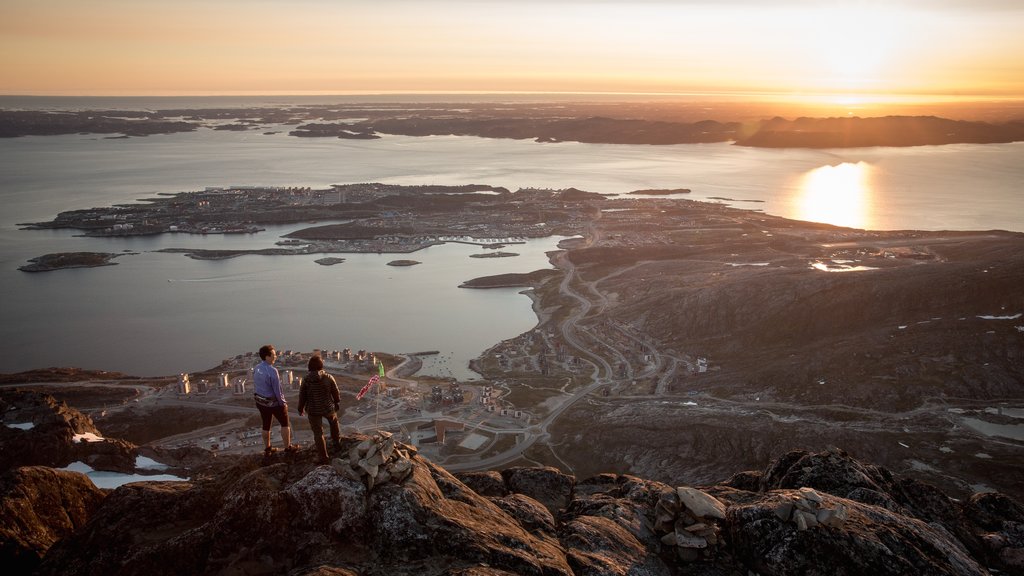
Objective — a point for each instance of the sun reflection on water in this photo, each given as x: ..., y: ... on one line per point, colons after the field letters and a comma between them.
x: 839, y: 195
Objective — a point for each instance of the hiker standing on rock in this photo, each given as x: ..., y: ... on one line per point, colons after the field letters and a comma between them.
x: 270, y: 400
x: 320, y: 397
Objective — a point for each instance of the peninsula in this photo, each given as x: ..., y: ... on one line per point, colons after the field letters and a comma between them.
x: 668, y: 328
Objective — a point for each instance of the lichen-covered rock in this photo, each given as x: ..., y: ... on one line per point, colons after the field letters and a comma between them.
x: 529, y: 513
x: 599, y: 546
x: 139, y: 528
x: 489, y: 483
x: 871, y: 541
x: 999, y: 522
x: 548, y: 486
x: 39, y: 507
x: 289, y: 515
x: 326, y: 498
x: 700, y: 503
x: 52, y: 439
x: 416, y: 520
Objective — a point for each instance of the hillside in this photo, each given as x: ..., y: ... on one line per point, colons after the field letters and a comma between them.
x: 380, y: 508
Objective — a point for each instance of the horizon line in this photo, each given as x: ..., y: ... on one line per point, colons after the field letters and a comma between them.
x: 831, y: 97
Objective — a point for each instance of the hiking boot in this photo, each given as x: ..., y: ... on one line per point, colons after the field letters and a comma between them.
x: 292, y: 448
x: 269, y: 450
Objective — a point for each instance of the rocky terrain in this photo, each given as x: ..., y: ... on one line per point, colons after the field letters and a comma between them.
x: 380, y: 508
x: 671, y: 328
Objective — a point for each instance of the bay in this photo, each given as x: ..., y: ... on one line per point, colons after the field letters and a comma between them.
x: 129, y: 317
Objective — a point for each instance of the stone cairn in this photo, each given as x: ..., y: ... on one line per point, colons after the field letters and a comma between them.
x: 687, y: 519
x: 377, y: 460
x: 805, y: 510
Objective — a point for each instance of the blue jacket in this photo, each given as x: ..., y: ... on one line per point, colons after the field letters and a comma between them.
x: 267, y: 382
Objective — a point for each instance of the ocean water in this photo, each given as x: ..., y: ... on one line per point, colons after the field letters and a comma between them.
x: 156, y: 314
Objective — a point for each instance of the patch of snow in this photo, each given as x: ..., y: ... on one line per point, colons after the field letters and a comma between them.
x: 922, y: 466
x: 87, y: 437
x: 111, y: 480
x: 902, y: 444
x: 689, y: 403
x: 946, y: 450
x: 1014, y: 317
x: 840, y: 267
x: 903, y: 327
x: 21, y: 425
x: 144, y: 463
x: 983, y: 456
x: 737, y: 264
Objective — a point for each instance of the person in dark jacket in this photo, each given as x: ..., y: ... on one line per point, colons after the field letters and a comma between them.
x: 320, y: 398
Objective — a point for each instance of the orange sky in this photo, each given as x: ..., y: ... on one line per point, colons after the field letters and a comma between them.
x: 146, y: 47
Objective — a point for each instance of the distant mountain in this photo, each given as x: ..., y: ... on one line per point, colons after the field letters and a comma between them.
x: 621, y: 124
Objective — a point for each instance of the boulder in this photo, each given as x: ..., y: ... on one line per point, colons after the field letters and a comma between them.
x: 870, y: 541
x: 599, y: 546
x: 701, y: 504
x: 548, y: 485
x: 289, y: 515
x: 489, y: 483
x: 529, y: 513
x: 39, y: 507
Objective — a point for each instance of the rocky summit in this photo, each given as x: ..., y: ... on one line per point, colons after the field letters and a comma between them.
x: 380, y: 508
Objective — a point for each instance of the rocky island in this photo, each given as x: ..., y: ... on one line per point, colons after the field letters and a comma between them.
x: 329, y: 261
x: 403, y: 263
x: 63, y: 260
x: 494, y: 255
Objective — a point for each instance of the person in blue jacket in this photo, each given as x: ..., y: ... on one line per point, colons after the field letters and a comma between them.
x: 270, y: 400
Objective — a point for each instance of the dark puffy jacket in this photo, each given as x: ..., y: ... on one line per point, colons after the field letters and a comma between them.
x: 319, y: 394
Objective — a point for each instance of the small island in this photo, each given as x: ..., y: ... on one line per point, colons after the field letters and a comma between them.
x: 661, y: 192
x: 329, y: 261
x: 62, y: 260
x: 494, y: 255
x: 403, y: 263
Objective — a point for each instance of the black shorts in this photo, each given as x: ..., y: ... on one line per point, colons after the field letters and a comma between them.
x: 267, y: 414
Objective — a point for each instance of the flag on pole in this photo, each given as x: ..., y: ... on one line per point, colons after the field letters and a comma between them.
x: 366, y: 388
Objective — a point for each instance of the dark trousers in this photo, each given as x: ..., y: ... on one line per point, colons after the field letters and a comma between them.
x: 316, y: 424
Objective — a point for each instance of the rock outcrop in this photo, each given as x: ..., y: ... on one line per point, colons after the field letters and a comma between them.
x: 55, y: 435
x: 804, y: 514
x: 379, y: 508
x: 39, y: 507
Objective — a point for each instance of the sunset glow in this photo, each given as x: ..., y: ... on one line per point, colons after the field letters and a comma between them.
x: 839, y: 195
x: 845, y: 48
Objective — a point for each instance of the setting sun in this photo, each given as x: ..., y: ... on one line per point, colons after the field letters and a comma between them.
x: 790, y: 47
x: 853, y: 44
